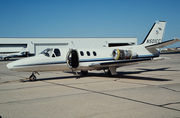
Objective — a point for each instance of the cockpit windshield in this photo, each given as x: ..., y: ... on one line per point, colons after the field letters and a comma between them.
x: 47, y: 52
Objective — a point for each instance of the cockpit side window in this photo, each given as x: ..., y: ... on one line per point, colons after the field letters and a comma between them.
x: 57, y: 52
x: 47, y: 52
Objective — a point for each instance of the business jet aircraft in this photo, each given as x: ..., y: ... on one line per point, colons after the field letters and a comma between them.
x: 85, y: 59
x: 7, y: 55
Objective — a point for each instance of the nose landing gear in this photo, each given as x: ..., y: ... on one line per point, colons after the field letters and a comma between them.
x: 33, y: 77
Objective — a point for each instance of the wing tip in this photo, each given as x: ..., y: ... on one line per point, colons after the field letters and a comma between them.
x: 176, y: 39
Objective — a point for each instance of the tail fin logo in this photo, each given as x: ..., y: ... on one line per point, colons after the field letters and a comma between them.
x: 157, y: 32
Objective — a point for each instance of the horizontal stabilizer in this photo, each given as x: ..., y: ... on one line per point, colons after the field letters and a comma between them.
x: 163, y: 44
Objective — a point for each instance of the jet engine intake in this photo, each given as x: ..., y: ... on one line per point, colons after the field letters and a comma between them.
x: 123, y: 54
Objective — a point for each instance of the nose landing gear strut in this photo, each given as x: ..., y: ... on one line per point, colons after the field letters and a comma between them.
x: 33, y: 77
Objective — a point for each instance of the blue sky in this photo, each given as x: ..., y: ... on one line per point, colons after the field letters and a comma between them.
x: 88, y: 18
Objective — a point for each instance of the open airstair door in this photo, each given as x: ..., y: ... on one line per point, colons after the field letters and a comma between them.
x: 72, y: 59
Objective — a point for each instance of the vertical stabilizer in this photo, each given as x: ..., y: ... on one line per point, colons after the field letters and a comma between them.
x: 155, y: 35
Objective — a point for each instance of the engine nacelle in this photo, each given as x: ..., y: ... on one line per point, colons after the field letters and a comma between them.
x: 123, y: 54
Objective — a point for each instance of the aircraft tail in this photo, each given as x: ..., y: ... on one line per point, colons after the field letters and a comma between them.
x: 24, y: 49
x: 155, y: 35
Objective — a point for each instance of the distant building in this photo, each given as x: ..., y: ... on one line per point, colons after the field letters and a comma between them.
x: 177, y: 48
x: 170, y: 49
x: 164, y: 49
x: 36, y: 45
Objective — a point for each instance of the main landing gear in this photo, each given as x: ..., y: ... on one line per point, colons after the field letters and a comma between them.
x: 108, y: 72
x: 111, y: 71
x: 33, y: 77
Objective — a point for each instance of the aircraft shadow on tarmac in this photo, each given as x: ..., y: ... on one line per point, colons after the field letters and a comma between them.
x: 121, y: 75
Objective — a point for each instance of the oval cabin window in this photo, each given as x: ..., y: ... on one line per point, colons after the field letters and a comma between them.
x: 94, y: 53
x: 82, y: 53
x: 88, y: 53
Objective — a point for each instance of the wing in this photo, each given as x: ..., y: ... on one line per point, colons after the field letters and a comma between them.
x: 119, y: 63
x: 164, y: 44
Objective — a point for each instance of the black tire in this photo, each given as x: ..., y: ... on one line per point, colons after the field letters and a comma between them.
x: 109, y: 73
x: 34, y: 78
x: 30, y: 76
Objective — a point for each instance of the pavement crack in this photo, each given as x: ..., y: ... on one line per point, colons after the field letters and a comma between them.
x: 168, y: 89
x: 115, y: 96
x: 169, y: 104
x: 136, y: 83
x: 151, y: 85
x: 30, y: 100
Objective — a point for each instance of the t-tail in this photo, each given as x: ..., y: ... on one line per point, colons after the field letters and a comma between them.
x: 155, y: 35
x: 153, y: 41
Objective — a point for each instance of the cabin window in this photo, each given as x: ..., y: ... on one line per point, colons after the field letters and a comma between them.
x: 88, y: 53
x: 94, y: 53
x: 57, y: 52
x: 82, y: 53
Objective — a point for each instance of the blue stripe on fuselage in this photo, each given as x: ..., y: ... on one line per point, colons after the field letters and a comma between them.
x: 84, y: 60
x: 62, y: 62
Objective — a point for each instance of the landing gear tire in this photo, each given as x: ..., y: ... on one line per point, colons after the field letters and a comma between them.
x: 84, y: 73
x: 33, y: 77
x: 108, y: 73
x: 6, y: 58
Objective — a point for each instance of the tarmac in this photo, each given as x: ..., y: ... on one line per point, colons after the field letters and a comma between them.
x: 148, y: 90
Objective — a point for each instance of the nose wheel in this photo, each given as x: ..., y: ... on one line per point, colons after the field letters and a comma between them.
x: 33, y: 77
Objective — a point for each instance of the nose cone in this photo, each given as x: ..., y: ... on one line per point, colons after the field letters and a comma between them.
x: 13, y: 65
x: 19, y: 65
x: 10, y: 66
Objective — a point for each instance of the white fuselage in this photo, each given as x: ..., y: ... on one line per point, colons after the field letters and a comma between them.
x: 44, y: 63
